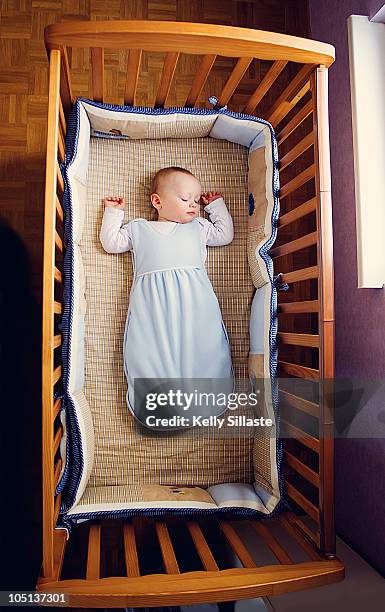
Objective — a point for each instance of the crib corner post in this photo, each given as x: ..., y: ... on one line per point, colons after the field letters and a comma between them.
x: 319, y: 90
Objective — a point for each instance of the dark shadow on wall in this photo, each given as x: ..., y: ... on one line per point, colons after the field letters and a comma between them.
x: 20, y: 430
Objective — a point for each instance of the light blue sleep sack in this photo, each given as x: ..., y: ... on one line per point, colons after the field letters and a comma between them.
x: 174, y: 330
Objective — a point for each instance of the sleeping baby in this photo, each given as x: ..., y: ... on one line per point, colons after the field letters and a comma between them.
x: 174, y: 327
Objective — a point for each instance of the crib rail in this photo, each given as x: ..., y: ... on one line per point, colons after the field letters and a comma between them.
x: 306, y: 314
x: 175, y: 39
x: 173, y: 561
x: 52, y: 309
x: 185, y: 37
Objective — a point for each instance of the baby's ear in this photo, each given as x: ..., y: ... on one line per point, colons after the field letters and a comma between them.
x: 155, y: 200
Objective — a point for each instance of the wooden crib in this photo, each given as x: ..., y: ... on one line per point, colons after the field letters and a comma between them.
x: 292, y: 94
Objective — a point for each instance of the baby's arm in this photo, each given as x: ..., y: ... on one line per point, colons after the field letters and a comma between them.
x: 219, y: 230
x: 114, y: 236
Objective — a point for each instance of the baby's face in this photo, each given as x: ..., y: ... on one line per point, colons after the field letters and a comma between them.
x: 179, y: 197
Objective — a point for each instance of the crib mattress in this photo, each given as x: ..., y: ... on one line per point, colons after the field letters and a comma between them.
x: 111, y: 464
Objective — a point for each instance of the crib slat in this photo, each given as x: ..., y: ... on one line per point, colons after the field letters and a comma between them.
x: 57, y: 308
x: 57, y: 509
x: 200, y: 79
x: 168, y: 71
x: 65, y: 81
x: 302, y: 501
x: 60, y: 143
x: 58, y: 275
x: 58, y: 467
x: 298, y: 212
x: 130, y: 550
x: 234, y: 79
x: 93, y: 553
x: 97, y: 64
x: 59, y: 209
x: 202, y: 547
x: 295, y: 122
x: 299, y: 339
x: 236, y: 544
x: 296, y: 151
x: 56, y: 407
x: 293, y: 93
x: 283, y: 111
x: 293, y: 369
x: 300, y: 275
x: 301, y: 468
x: 271, y: 542
x: 294, y: 245
x: 312, y: 536
x: 56, y: 341
x: 58, y: 437
x: 62, y: 118
x: 133, y: 68
x: 59, y: 178
x: 300, y: 403
x: 264, y: 86
x: 168, y: 554
x: 300, y: 435
x: 296, y: 307
x: 306, y: 175
x: 58, y: 242
x: 289, y: 524
x: 56, y: 374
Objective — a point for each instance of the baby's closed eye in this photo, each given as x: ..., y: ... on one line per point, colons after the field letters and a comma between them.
x: 197, y: 200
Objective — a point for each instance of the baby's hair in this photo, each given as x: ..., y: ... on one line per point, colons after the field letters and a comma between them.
x: 163, y: 173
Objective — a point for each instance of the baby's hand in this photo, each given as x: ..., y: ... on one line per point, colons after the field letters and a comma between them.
x: 115, y: 202
x: 210, y: 196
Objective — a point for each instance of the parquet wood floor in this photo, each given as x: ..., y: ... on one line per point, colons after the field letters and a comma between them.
x: 24, y: 83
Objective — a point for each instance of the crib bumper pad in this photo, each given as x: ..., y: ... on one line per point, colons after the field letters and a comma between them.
x: 82, y: 496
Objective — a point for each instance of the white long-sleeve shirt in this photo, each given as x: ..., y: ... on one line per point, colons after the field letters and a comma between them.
x: 116, y: 238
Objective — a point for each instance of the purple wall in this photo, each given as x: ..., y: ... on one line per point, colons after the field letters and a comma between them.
x: 359, y: 313
x: 373, y: 6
